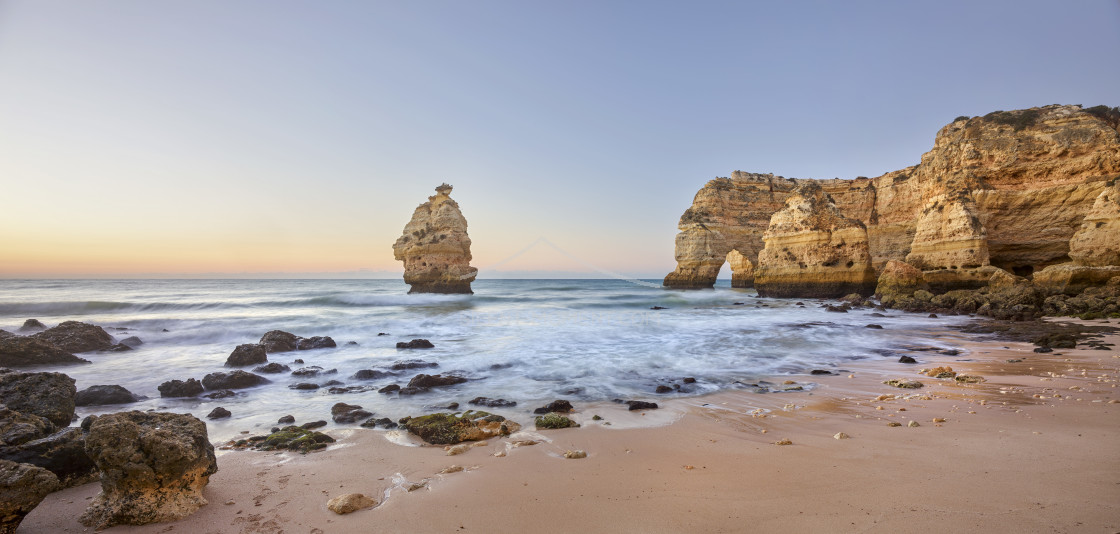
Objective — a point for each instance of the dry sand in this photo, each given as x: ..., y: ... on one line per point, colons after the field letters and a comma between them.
x: 1035, y: 448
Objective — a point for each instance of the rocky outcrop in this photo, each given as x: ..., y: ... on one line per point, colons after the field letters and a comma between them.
x: 102, y: 395
x: 22, y: 488
x: 1094, y: 249
x: 435, y: 248
x: 247, y: 354
x: 190, y: 387
x: 899, y: 280
x: 1007, y: 190
x: 74, y: 336
x: 62, y: 453
x: 281, y: 341
x: 153, y: 467
x: 812, y: 250
x: 20, y: 351
x: 32, y: 325
x: 49, y: 395
x: 232, y: 380
x: 17, y: 428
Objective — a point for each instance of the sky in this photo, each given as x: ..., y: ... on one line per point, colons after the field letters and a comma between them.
x: 293, y: 138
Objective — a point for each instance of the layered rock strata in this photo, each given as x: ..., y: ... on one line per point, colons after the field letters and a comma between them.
x: 812, y: 250
x: 435, y: 248
x: 1008, y: 190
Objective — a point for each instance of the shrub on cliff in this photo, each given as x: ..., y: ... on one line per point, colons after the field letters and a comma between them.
x: 1016, y: 119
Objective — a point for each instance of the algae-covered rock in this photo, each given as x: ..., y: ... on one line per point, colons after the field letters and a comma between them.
x: 554, y: 420
x: 291, y: 438
x: 449, y: 429
x: 969, y: 379
x: 940, y: 372
x: 902, y: 383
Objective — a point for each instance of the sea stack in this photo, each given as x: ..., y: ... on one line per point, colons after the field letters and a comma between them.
x: 435, y: 248
x: 813, y: 251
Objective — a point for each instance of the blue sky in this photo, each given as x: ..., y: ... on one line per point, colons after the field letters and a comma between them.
x: 294, y: 137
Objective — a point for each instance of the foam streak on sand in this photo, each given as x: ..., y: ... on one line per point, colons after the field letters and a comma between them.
x: 1031, y: 449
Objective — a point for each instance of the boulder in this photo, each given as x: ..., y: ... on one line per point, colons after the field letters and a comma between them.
x: 558, y: 406
x: 415, y: 344
x: 370, y: 374
x: 424, y: 381
x: 812, y: 250
x: 178, y: 388
x: 899, y: 280
x: 220, y: 394
x: 272, y: 368
x: 247, y: 354
x: 132, y: 341
x: 294, y: 438
x: 32, y: 325
x: 492, y: 403
x: 232, y: 380
x: 49, y: 395
x: 449, y: 429
x: 435, y: 248
x: 20, y: 351
x: 22, y: 488
x: 74, y: 336
x: 350, y: 502
x: 343, y: 413
x: 62, y: 453
x: 218, y: 413
x: 279, y: 341
x: 102, y: 395
x: 413, y: 364
x: 153, y: 467
x: 316, y: 342
x: 17, y: 428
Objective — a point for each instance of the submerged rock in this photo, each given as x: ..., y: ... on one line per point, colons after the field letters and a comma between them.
x: 315, y: 342
x: 272, y: 368
x: 413, y: 364
x: 435, y: 248
x: 20, y: 351
x: 449, y: 429
x: 153, y: 467
x: 492, y: 403
x: 74, y: 336
x: 292, y: 438
x: 279, y: 341
x: 424, y: 381
x: 132, y: 341
x: 49, y: 395
x: 179, y: 388
x: 22, y: 488
x: 415, y: 344
x: 641, y: 405
x: 219, y: 413
x: 103, y: 395
x: 343, y: 413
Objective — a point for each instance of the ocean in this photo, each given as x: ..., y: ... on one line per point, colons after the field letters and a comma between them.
x: 527, y: 341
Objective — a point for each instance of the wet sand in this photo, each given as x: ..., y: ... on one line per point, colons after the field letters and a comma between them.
x: 1034, y: 448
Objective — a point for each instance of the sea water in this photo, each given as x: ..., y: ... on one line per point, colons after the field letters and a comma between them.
x: 526, y: 341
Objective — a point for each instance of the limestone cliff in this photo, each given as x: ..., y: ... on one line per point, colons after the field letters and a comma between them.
x: 435, y: 248
x: 1008, y: 189
x: 812, y: 250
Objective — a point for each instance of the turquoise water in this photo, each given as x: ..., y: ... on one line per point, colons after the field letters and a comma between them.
x: 529, y: 341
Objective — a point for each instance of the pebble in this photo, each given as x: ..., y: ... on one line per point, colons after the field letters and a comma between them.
x: 913, y: 424
x: 784, y: 441
x: 894, y: 423
x: 575, y: 455
x: 938, y: 420
x: 841, y: 435
x: 1114, y: 401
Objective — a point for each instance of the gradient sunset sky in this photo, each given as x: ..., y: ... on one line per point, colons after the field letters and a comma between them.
x: 220, y: 138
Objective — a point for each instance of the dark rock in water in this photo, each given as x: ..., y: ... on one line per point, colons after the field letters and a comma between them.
x: 313, y: 370
x: 102, y: 395
x: 247, y: 354
x: 874, y: 326
x: 343, y: 413
x: 876, y: 314
x: 658, y: 308
x: 663, y: 389
x: 316, y: 342
x: 558, y: 406
x: 22, y: 488
x: 492, y: 403
x: 448, y: 429
x: 415, y: 344
x: 286, y: 420
x: 411, y: 391
x: 304, y: 386
x: 17, y: 428
x: 49, y: 395
x: 313, y: 424
x: 350, y: 389
x: 32, y: 325
x: 389, y: 389
x: 298, y: 360
x: 821, y: 372
x: 20, y: 351
x: 1057, y: 340
x: 689, y: 380
x: 62, y: 453
x: 1043, y: 349
x: 332, y: 383
x: 279, y: 341
x: 932, y: 316
x: 837, y: 309
x: 907, y: 359
x: 383, y: 422
x: 153, y: 467
x: 119, y: 347
x: 412, y: 364
x: 218, y: 413
x: 272, y: 368
x: 432, y: 381
x: 355, y: 343
x: 179, y: 388
x: 223, y: 394
x: 294, y: 438
x: 641, y: 405
x: 379, y: 334
x: 232, y: 380
x: 74, y: 336
x: 370, y: 374
x: 949, y: 352
x: 453, y: 406
x: 132, y: 341
x: 738, y: 303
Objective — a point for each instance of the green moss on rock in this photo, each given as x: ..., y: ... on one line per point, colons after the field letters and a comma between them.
x: 554, y: 420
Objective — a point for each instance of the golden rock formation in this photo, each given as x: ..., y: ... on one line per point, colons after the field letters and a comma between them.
x: 435, y: 248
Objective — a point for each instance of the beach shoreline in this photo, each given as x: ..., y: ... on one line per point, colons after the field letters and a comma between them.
x: 1032, y: 448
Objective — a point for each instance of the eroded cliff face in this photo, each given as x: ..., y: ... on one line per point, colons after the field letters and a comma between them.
x: 1009, y: 190
x: 435, y: 248
x: 812, y: 250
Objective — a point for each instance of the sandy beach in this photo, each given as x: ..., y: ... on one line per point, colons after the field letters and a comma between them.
x: 1031, y: 449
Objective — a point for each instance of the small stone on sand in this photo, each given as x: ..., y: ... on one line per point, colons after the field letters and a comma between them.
x: 841, y: 435
x: 785, y: 441
x: 913, y: 424
x: 350, y: 502
x: 575, y: 455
